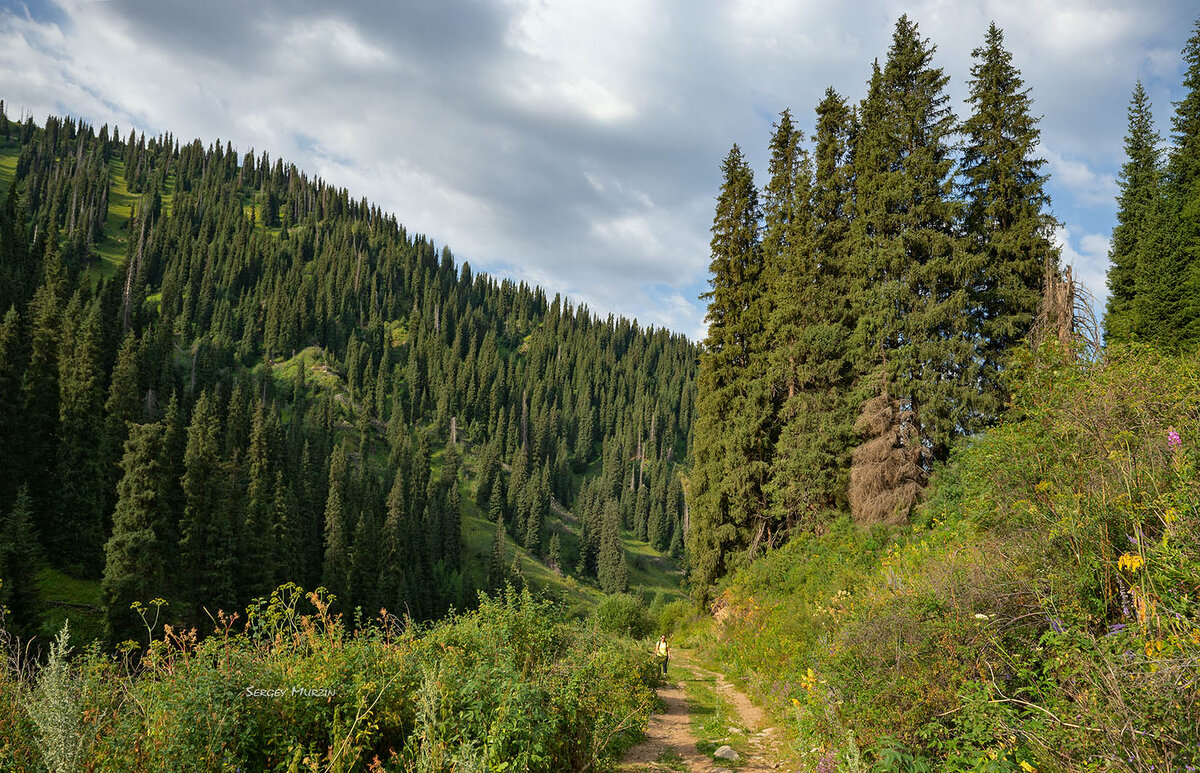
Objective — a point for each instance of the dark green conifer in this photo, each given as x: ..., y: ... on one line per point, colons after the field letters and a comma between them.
x: 658, y: 532
x: 10, y: 402
x: 77, y: 540
x: 257, y: 549
x: 912, y: 310
x: 287, y: 531
x: 206, y: 547
x: 335, y: 572
x: 1170, y: 307
x: 730, y: 457
x: 496, y: 566
x: 814, y: 371
x: 122, y: 407
x: 807, y: 368
x: 365, y: 564
x: 20, y: 561
x: 172, y: 501
x: 1140, y: 184
x: 554, y: 555
x: 134, y: 566
x: 396, y: 556
x: 1008, y: 225
x: 39, y: 389
x: 612, y: 570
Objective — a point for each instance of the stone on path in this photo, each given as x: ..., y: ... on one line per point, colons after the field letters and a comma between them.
x: 726, y: 753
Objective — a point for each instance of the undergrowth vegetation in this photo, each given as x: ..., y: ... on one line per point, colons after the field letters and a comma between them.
x: 513, y: 685
x: 1040, y: 613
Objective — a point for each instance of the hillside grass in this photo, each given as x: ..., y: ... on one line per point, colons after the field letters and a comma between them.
x: 114, y: 244
x: 9, y: 152
x: 1041, y: 611
x: 70, y: 599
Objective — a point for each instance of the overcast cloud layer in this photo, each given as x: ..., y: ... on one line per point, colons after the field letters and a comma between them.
x: 575, y: 145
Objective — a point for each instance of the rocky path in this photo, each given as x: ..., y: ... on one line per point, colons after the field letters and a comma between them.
x: 671, y: 745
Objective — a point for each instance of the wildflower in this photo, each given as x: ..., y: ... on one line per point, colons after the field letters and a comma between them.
x: 1173, y: 439
x: 980, y: 616
x: 1130, y: 561
x: 1025, y: 766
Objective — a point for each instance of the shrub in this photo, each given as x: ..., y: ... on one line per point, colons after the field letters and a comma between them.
x: 54, y: 705
x: 625, y: 615
x: 677, y: 617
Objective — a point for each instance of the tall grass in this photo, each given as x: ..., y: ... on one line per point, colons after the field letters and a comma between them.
x: 512, y: 685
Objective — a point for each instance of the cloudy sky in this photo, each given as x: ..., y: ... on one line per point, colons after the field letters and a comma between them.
x: 576, y: 145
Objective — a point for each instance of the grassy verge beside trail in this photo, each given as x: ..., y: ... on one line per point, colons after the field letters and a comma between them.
x: 714, y: 721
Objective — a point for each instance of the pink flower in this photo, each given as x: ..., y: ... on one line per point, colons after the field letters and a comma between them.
x: 1173, y: 439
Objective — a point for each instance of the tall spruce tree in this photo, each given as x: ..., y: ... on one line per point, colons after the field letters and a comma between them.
x: 20, y: 560
x: 1008, y: 226
x: 613, y: 571
x: 731, y: 455
x: 496, y: 565
x: 206, y: 546
x: 122, y: 407
x: 77, y: 540
x: 913, y: 300
x: 335, y: 572
x: 10, y: 401
x: 785, y: 204
x: 39, y: 388
x: 1178, y: 302
x: 365, y: 562
x: 134, y: 556
x: 395, y: 547
x: 1140, y: 182
x: 810, y: 372
x: 257, y: 548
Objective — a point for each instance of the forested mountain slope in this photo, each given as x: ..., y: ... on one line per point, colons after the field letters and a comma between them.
x: 224, y: 374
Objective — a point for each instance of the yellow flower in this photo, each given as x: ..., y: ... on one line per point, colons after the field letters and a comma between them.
x: 1130, y: 561
x: 1027, y: 767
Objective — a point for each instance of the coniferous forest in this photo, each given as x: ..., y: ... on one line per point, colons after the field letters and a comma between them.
x: 218, y: 375
x: 865, y: 300
x: 1154, y: 271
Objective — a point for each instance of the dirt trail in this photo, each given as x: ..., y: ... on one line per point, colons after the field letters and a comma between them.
x: 671, y: 745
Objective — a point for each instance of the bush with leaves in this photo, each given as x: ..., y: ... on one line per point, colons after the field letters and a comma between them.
x: 624, y: 614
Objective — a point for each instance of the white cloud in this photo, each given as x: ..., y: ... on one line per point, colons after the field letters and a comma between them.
x: 307, y: 41
x: 1087, y: 186
x: 573, y: 144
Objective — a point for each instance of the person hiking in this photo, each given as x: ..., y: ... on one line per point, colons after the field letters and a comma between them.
x: 663, y: 651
